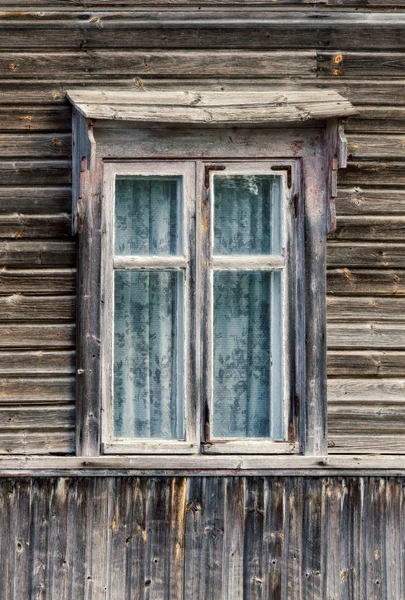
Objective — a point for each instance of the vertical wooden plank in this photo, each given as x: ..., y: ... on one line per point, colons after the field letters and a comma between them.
x: 6, y: 541
x: 213, y: 541
x: 394, y: 534
x: 88, y: 314
x: 21, y: 539
x: 277, y: 536
x: 59, y: 547
x: 295, y: 538
x: 314, y: 405
x: 118, y: 537
x: 375, y: 540
x: 136, y: 580
x: 98, y: 566
x: 194, y: 566
x: 158, y: 504
x: 355, y: 541
x: 233, y: 539
x: 313, y: 539
x: 176, y: 538
x: 39, y: 548
x: 256, y: 546
x: 77, y: 558
x: 336, y: 536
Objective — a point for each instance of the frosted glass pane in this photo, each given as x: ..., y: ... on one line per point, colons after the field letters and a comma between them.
x: 148, y: 361
x: 247, y: 211
x: 148, y: 215
x: 247, y: 394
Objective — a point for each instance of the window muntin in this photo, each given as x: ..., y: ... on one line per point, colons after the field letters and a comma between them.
x: 129, y: 426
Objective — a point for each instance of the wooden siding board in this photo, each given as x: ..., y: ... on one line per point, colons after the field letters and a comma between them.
x: 359, y: 556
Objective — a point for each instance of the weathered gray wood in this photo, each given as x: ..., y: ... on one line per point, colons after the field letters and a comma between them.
x: 360, y: 64
x: 367, y: 145
x: 224, y: 28
x: 364, y: 308
x: 19, y: 226
x: 351, y: 363
x: 376, y: 419
x: 360, y: 443
x: 357, y: 201
x: 366, y: 390
x: 366, y: 282
x: 366, y: 336
x: 38, y: 172
x: 206, y: 107
x: 37, y: 281
x: 372, y: 228
x: 15, y: 391
x: 40, y: 308
x: 35, y: 200
x: 365, y: 254
x: 28, y: 253
x: 37, y: 336
x: 207, y: 63
x: 46, y: 145
x: 33, y: 118
x: 367, y: 173
x: 377, y: 119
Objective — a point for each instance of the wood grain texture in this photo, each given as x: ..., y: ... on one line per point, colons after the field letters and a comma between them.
x: 366, y: 255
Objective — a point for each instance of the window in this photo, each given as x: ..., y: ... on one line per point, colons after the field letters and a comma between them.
x: 207, y: 296
x: 202, y: 270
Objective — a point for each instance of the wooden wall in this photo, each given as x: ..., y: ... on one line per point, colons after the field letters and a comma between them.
x: 354, y: 46
x: 202, y: 539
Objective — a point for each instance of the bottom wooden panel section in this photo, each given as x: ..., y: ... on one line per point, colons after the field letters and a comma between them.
x: 202, y: 538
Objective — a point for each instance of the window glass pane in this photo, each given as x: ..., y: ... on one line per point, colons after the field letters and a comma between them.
x: 148, y: 215
x: 247, y: 386
x: 247, y: 214
x: 148, y: 362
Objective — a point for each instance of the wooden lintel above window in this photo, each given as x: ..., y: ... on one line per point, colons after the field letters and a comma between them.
x: 211, y: 107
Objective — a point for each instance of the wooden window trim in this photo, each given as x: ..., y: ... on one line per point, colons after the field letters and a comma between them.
x: 319, y: 148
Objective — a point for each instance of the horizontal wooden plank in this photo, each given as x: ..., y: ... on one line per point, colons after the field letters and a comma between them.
x: 365, y: 308
x: 377, y: 418
x: 37, y: 362
x: 38, y: 172
x: 35, y: 145
x: 358, y: 201
x: 28, y: 118
x: 372, y: 91
x: 366, y: 254
x: 37, y: 418
x: 37, y: 336
x: 359, y: 363
x: 378, y: 173
x: 377, y: 119
x: 365, y: 390
x: 360, y: 64
x: 30, y: 442
x: 35, y: 390
x: 35, y: 200
x: 371, y: 146
x: 366, y: 282
x: 194, y: 29
x: 37, y: 281
x: 370, y: 228
x: 19, y: 226
x: 367, y: 336
x: 27, y: 253
x: 193, y: 63
x: 364, y: 443
x: 18, y: 307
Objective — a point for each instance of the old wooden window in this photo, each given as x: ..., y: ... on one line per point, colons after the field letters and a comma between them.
x: 202, y: 271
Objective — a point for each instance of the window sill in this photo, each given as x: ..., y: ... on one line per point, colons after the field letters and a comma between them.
x: 42, y: 466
